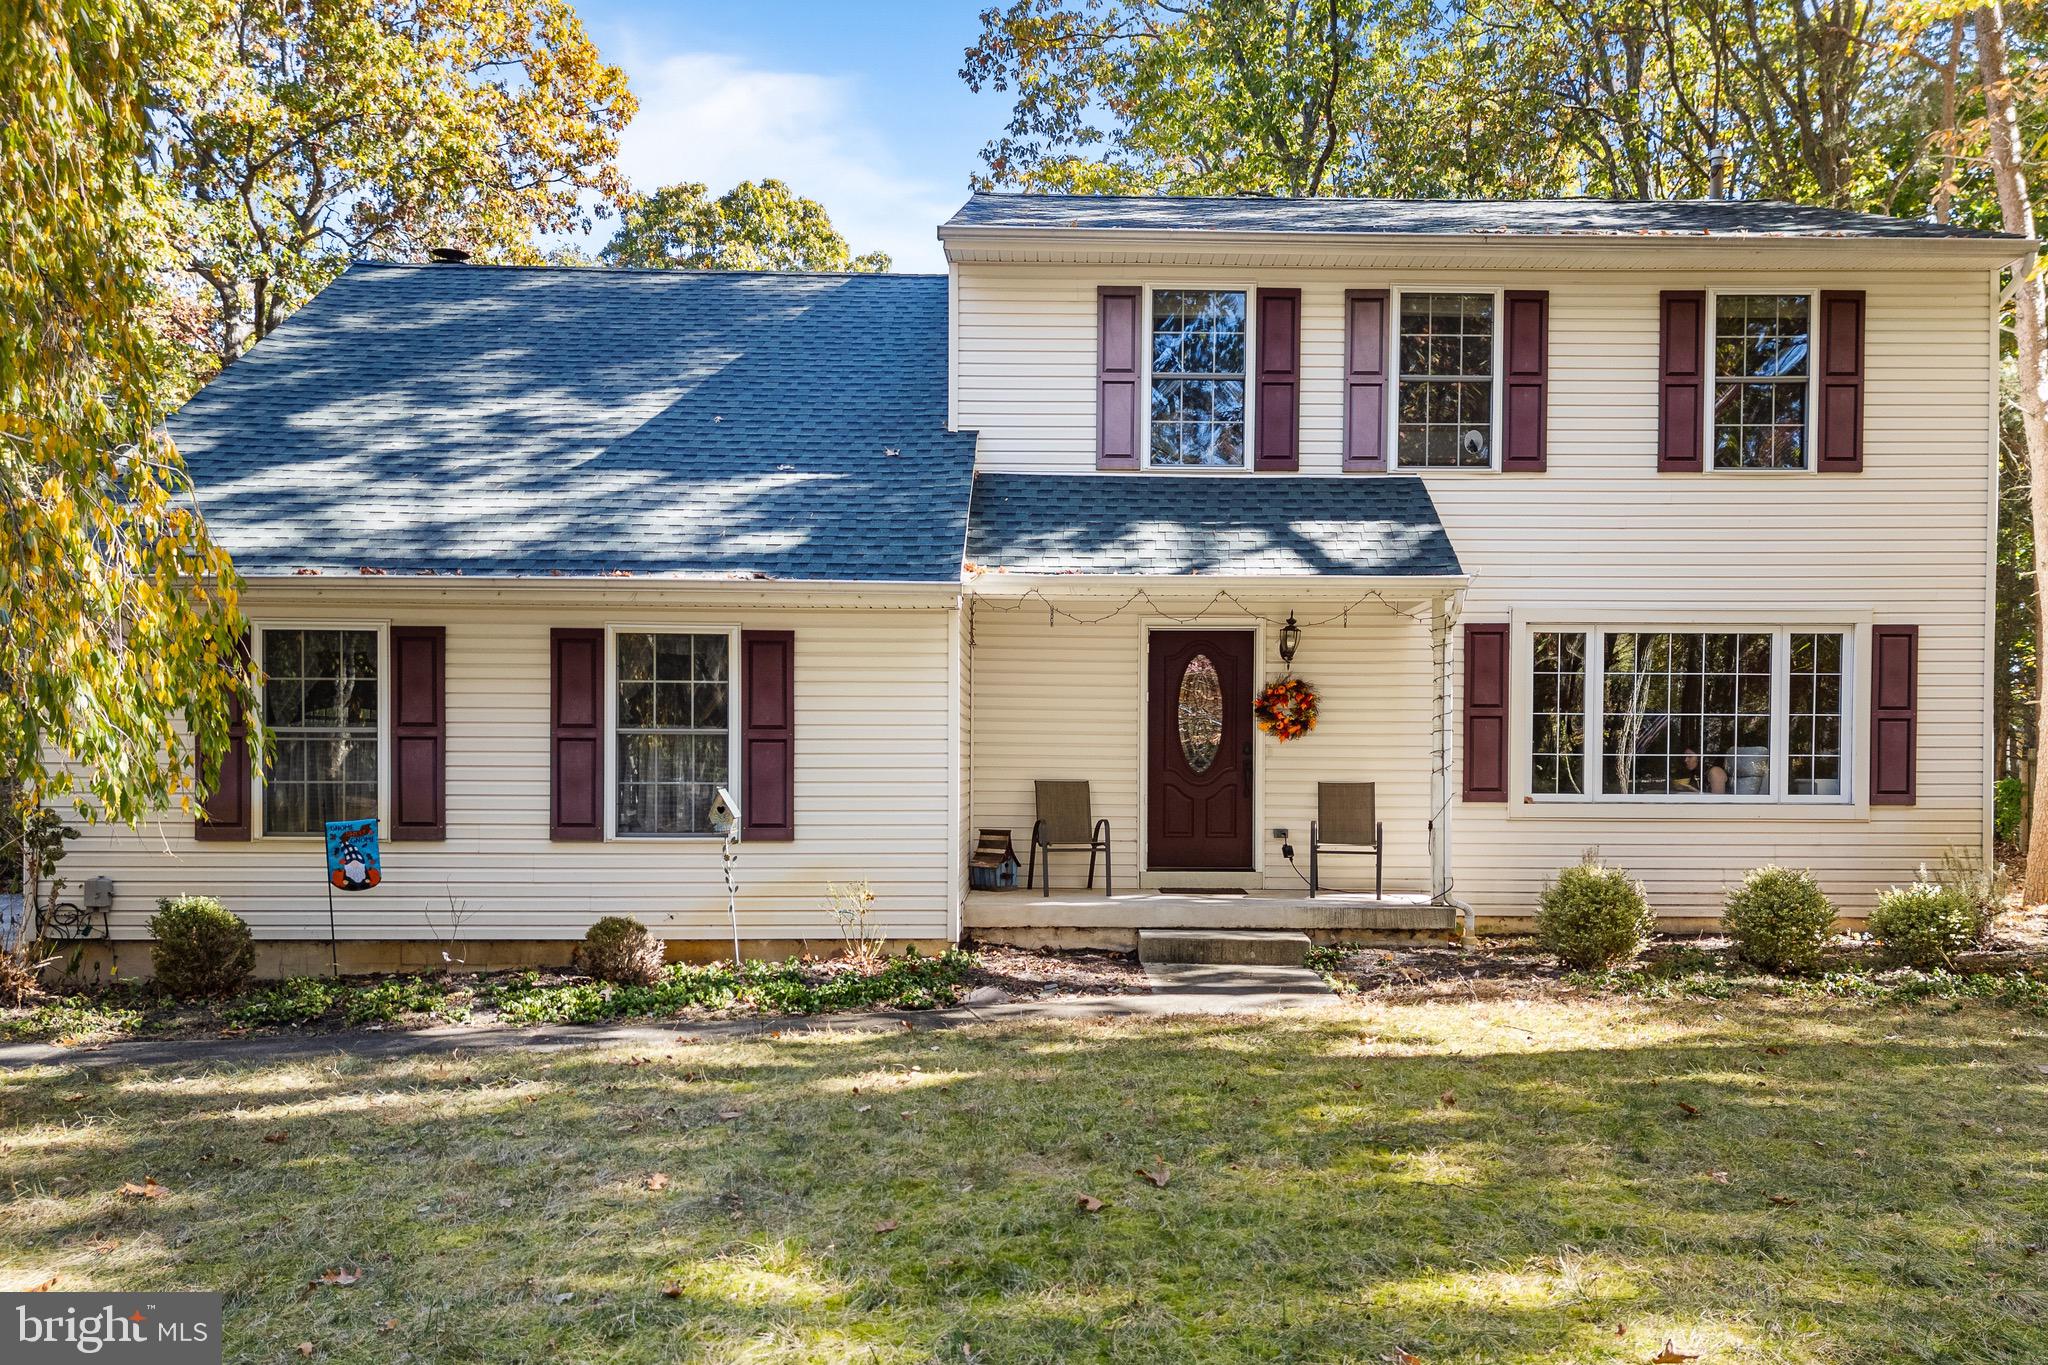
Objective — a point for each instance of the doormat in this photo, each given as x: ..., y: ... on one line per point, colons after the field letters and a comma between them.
x: 1203, y: 891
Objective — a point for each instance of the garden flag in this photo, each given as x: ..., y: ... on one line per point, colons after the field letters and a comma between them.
x: 352, y: 855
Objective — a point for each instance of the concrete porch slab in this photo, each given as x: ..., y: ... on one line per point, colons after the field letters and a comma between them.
x: 1117, y: 919
x: 1224, y: 947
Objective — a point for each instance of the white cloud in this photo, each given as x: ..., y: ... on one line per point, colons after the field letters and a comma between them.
x: 711, y: 117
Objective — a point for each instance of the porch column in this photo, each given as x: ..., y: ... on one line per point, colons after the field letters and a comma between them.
x: 1442, y: 618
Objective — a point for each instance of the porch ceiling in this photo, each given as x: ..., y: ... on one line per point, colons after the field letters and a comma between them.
x: 1226, y: 526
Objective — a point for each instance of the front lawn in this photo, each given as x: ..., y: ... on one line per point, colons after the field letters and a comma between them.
x: 1568, y: 1179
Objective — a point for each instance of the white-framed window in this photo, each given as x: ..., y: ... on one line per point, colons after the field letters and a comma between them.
x: 1198, y: 372
x: 1706, y: 714
x: 326, y: 703
x: 1447, y: 357
x: 1762, y: 345
x: 673, y: 731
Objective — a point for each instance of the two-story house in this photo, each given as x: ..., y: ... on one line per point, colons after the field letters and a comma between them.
x: 1661, y: 528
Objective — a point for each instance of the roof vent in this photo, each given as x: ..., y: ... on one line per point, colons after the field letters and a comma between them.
x: 447, y: 255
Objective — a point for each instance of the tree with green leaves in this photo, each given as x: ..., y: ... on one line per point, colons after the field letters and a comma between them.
x: 755, y: 225
x: 294, y: 137
x: 118, y: 614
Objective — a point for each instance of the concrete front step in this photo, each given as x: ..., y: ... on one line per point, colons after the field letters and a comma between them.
x: 1223, y: 947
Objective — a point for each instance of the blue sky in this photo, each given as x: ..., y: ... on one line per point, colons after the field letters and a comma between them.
x: 857, y: 105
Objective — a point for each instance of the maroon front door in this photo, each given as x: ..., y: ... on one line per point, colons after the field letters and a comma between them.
x: 1199, y: 749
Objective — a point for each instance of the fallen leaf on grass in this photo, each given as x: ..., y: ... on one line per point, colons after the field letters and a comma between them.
x: 1718, y: 1177
x: 148, y: 1189
x: 1691, y: 1111
x: 562, y: 1297
x: 1671, y: 1356
x: 74, y: 1098
x: 728, y: 1115
x: 305, y: 1348
x: 1774, y: 1051
x: 1448, y: 1100
x: 672, y: 1290
x: 862, y: 1108
x: 388, y: 1325
x: 1158, y: 1175
x: 338, y: 1276
x: 1088, y: 1203
x: 887, y: 1225
x: 1783, y: 1201
x: 42, y: 1288
x: 1398, y: 1356
x: 657, y: 1181
x: 279, y: 1136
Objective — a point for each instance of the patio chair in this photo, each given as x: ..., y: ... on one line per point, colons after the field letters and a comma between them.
x: 1066, y: 822
x: 1346, y: 822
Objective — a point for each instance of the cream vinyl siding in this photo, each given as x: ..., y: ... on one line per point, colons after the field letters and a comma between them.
x: 1065, y: 700
x: 874, y: 781
x: 1905, y: 541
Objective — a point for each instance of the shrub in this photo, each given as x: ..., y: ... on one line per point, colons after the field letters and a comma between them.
x: 1779, y: 919
x: 619, y: 949
x: 1593, y: 916
x: 1926, y: 925
x: 2008, y: 798
x: 1985, y: 883
x: 202, y: 948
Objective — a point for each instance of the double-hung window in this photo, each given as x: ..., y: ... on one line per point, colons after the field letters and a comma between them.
x: 1763, y: 375
x: 1736, y: 714
x: 1201, y: 339
x: 322, y: 702
x: 673, y: 748
x: 1446, y: 416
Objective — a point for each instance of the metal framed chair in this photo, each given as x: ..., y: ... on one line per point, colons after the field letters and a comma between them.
x: 1066, y: 822
x: 1347, y: 821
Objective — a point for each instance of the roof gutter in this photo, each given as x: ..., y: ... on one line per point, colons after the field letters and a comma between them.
x: 707, y: 587
x: 998, y: 584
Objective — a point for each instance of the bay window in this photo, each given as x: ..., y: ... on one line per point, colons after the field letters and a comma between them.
x: 1200, y: 342
x: 1741, y: 714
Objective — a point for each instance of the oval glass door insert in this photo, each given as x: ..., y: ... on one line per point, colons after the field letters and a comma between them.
x: 1201, y: 713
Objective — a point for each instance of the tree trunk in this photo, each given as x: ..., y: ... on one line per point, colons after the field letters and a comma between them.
x: 2030, y: 336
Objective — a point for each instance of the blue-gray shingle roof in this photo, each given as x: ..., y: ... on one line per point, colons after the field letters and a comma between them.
x: 1430, y: 217
x: 509, y: 421
x: 1257, y: 526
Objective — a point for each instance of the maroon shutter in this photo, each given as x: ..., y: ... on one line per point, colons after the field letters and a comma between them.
x: 1841, y: 382
x: 1365, y: 379
x: 1527, y: 362
x: 1117, y: 377
x: 1682, y: 397
x: 419, y: 732
x: 224, y: 811
x: 768, y: 735
x: 576, y: 728
x: 1279, y: 396
x: 1486, y: 711
x: 1894, y: 714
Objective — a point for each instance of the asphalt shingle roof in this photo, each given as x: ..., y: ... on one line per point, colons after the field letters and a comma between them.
x: 1263, y: 526
x: 1430, y: 217
x: 509, y: 421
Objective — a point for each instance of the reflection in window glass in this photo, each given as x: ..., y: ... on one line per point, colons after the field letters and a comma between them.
x: 320, y: 701
x: 1760, y: 370
x: 1198, y: 377
x: 1558, y: 738
x: 672, y: 731
x: 1813, y: 762
x: 1687, y: 713
x: 1446, y: 399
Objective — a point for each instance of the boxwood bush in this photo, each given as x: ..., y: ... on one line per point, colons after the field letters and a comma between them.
x: 1779, y: 919
x: 202, y: 948
x: 1927, y: 924
x: 619, y: 949
x: 1594, y: 916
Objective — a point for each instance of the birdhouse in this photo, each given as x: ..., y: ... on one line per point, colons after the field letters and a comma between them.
x: 994, y: 865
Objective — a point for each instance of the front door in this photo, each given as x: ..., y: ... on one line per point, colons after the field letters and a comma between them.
x: 1199, y: 749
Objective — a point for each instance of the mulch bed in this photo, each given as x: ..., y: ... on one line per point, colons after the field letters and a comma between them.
x: 1042, y: 974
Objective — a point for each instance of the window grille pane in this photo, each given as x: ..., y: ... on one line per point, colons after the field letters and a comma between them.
x: 1687, y: 713
x: 1762, y: 347
x: 1558, y: 737
x: 673, y: 738
x: 1813, y: 762
x: 1445, y: 404
x: 1198, y: 377
x: 320, y: 701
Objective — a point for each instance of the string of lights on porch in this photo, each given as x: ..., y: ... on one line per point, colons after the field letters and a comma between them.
x: 1439, y: 622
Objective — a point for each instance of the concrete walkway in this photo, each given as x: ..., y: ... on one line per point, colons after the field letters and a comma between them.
x: 1177, y: 989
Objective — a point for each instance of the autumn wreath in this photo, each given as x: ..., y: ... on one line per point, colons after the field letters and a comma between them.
x: 1286, y: 709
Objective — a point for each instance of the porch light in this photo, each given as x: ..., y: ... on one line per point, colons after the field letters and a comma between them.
x: 1290, y: 639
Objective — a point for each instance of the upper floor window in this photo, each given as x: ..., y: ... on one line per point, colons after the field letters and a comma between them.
x: 1688, y: 715
x: 1200, y: 342
x: 1762, y: 370
x: 1445, y: 415
x: 320, y: 700
x: 674, y: 734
